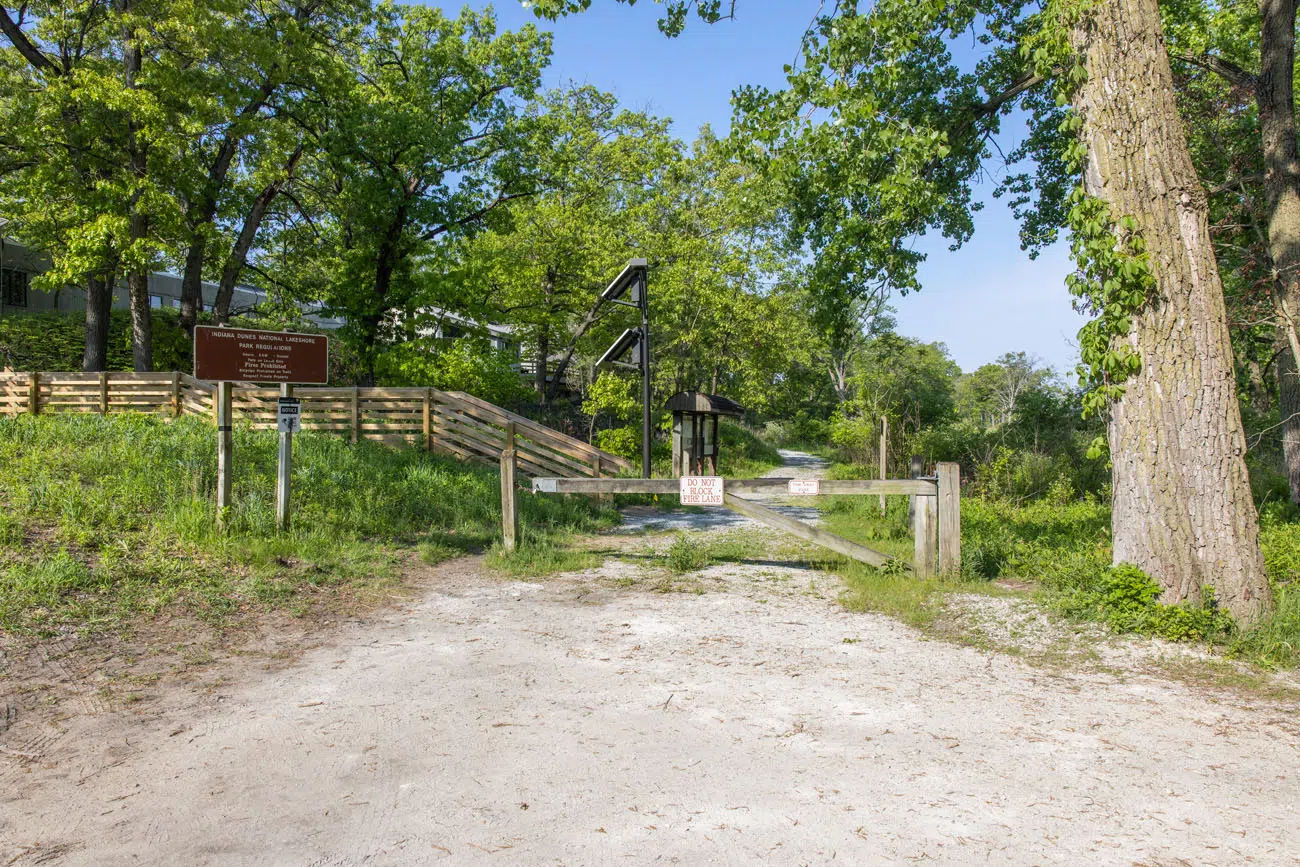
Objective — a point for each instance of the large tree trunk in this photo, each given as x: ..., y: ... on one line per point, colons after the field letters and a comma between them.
x: 1277, y: 123
x: 543, y: 354
x: 137, y: 282
x: 192, y: 279
x: 1182, y: 503
x: 99, y: 304
x: 137, y: 278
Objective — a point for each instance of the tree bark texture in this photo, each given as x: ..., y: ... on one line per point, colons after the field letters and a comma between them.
x: 137, y: 278
x: 99, y: 303
x: 1274, y: 93
x: 1182, y: 503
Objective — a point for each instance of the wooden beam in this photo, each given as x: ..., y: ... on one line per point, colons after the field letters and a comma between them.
x: 103, y: 392
x: 949, y: 504
x: 923, y: 537
x: 549, y: 485
x: 356, y: 414
x: 778, y: 521
x: 427, y: 417
x: 34, y: 394
x: 509, y: 493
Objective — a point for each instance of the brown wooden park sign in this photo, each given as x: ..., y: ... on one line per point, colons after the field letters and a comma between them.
x: 226, y: 355
x: 244, y: 355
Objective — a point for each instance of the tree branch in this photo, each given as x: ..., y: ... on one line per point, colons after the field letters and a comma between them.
x: 1225, y: 69
x: 25, y: 46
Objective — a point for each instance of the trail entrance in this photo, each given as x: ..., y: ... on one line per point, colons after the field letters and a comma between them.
x: 936, y: 517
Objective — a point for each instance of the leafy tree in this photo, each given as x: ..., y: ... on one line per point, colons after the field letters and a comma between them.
x: 548, y: 256
x: 990, y: 394
x: 884, y: 131
x: 420, y: 145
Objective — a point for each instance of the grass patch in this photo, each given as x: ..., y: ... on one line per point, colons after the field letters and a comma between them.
x: 537, y: 557
x: 1062, y: 551
x: 110, y: 519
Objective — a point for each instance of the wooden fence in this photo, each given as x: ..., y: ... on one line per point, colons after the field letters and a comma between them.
x: 449, y: 422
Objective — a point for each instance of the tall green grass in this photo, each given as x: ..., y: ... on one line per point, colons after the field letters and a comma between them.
x: 1061, y: 548
x: 104, y: 519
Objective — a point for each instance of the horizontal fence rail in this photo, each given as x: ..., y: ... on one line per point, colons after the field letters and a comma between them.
x: 826, y: 487
x: 448, y: 422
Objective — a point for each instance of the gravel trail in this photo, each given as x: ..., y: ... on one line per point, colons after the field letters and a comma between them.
x: 573, y: 722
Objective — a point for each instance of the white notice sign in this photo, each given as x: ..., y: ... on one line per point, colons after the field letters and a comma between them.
x: 701, y: 490
x: 804, y: 487
x: 289, y: 415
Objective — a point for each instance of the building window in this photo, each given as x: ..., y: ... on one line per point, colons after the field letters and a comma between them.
x: 155, y: 301
x: 13, y: 287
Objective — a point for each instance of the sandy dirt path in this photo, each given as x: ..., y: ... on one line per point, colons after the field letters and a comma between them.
x: 573, y: 722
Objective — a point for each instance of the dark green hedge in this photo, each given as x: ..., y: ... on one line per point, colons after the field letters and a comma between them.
x: 57, y: 341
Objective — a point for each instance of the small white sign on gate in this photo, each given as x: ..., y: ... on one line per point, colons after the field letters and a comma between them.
x: 804, y: 487
x: 701, y: 490
x: 289, y: 415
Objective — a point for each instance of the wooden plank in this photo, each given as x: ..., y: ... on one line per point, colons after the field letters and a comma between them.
x: 356, y: 414
x: 817, y: 536
x: 509, y: 493
x: 525, y: 427
x: 923, y: 537
x: 884, y: 455
x: 426, y: 417
x: 564, y: 485
x: 34, y: 395
x: 949, y: 508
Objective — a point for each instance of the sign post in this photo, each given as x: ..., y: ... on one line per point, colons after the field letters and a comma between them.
x: 225, y: 437
x: 228, y: 355
x: 289, y: 421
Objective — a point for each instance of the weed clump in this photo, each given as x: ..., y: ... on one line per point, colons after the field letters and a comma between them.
x: 1127, y: 600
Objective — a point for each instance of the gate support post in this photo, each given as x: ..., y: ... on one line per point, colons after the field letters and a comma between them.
x: 923, y: 521
x: 950, y: 518
x: 509, y: 493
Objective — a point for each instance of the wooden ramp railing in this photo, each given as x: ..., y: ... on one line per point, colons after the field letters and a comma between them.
x: 451, y: 423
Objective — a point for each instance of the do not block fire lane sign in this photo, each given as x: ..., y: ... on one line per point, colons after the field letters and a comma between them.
x: 701, y: 491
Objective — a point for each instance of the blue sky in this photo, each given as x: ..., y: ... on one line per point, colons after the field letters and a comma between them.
x: 983, y: 300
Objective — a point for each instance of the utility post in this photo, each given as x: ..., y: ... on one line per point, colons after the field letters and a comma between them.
x: 633, y: 277
x: 288, y: 419
x: 644, y: 301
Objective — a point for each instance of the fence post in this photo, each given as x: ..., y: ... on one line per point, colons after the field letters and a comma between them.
x: 34, y: 394
x: 949, y: 518
x: 356, y: 414
x: 884, y: 455
x: 224, y: 404
x: 176, y: 394
x: 428, y: 419
x: 103, y: 392
x: 923, y: 521
x: 509, y: 493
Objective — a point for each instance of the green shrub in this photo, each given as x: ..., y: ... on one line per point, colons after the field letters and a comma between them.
x: 1126, y: 600
x: 623, y: 441
x: 468, y: 364
x: 57, y: 341
x: 687, y: 555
